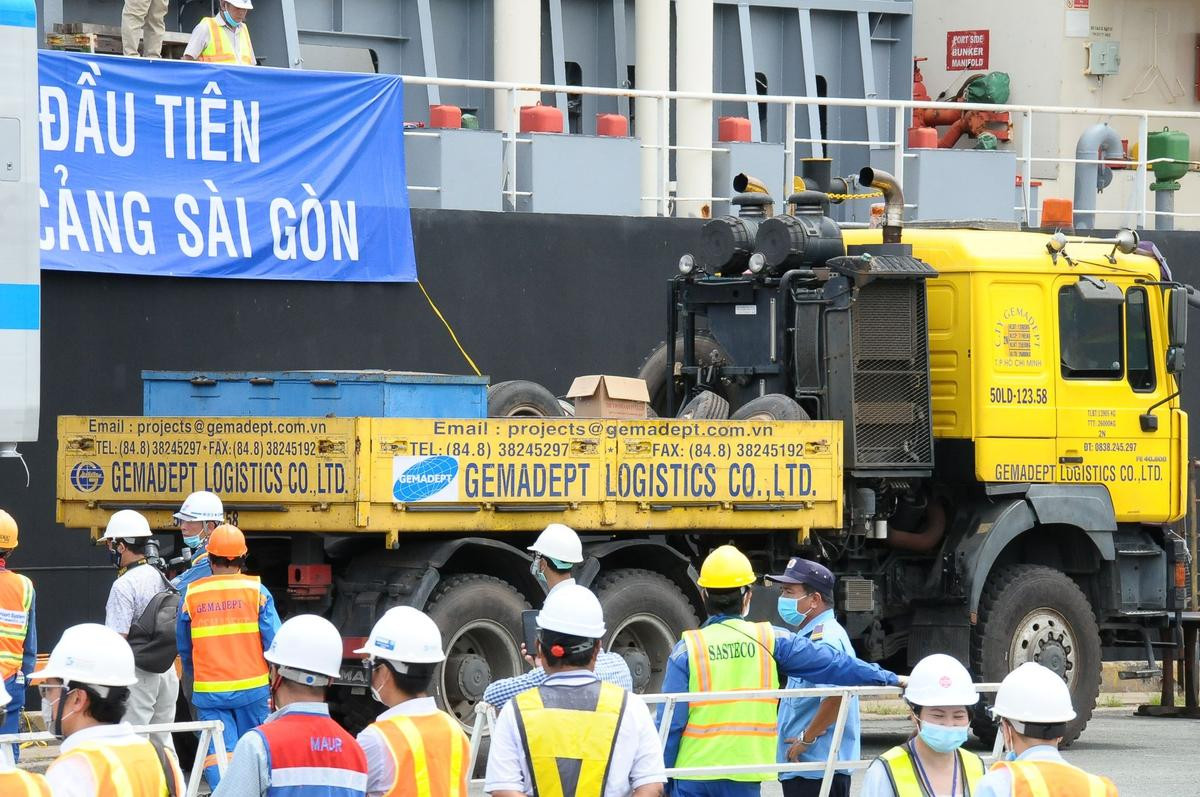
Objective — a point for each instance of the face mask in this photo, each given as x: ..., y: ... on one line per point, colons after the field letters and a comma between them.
x: 192, y: 542
x: 229, y: 20
x: 789, y: 611
x: 52, y: 724
x: 114, y: 556
x: 943, y: 738
x: 535, y: 568
x: 375, y: 692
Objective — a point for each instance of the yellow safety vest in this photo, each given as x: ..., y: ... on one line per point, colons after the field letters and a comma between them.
x: 723, y: 657
x: 219, y: 49
x: 1055, y: 779
x: 18, y: 783
x: 572, y: 723
x: 903, y: 773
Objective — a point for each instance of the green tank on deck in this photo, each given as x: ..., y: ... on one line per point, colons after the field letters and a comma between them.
x: 1173, y: 144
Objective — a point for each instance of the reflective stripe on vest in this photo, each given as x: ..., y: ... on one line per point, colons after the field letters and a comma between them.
x: 310, y: 755
x: 724, y: 657
x: 429, y: 755
x: 1055, y: 779
x: 125, y: 770
x: 219, y: 49
x: 900, y: 771
x: 227, y: 650
x: 16, y: 598
x: 571, y: 731
x: 18, y: 783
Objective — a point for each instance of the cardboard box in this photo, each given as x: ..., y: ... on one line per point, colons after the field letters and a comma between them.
x: 601, y: 396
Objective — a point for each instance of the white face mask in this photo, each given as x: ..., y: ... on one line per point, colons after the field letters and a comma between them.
x: 48, y: 711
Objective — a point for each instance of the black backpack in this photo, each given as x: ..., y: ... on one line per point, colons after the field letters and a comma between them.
x: 152, y: 636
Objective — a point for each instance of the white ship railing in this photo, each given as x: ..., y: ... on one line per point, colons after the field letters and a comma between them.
x: 900, y: 111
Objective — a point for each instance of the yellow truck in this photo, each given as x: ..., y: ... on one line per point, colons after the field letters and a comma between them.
x: 978, y: 430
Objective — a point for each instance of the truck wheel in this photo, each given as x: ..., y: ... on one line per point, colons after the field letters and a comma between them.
x: 521, y: 398
x: 1036, y: 613
x: 707, y: 406
x: 654, y: 369
x: 480, y: 620
x: 771, y: 407
x: 645, y: 614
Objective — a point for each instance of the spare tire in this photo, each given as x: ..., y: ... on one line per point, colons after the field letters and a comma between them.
x: 771, y: 407
x: 654, y: 369
x: 521, y: 398
x: 708, y: 406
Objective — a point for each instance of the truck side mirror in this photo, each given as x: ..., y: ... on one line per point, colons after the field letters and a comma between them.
x: 1099, y: 291
x: 1177, y: 313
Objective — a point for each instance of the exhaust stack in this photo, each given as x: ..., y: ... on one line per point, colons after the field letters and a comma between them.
x: 893, y: 198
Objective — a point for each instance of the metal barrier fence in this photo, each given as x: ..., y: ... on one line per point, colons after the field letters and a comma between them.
x: 485, y: 719
x: 210, y: 731
x: 656, y: 170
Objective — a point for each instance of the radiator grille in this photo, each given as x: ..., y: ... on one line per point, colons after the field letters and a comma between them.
x: 892, y: 426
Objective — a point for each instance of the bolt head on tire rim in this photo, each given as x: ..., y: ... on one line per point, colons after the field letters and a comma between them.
x: 1044, y: 636
x: 645, y: 642
x: 480, y: 652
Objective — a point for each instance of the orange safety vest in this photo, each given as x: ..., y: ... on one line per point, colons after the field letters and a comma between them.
x: 16, y: 599
x: 227, y: 647
x: 125, y: 770
x: 429, y: 754
x: 19, y: 783
x: 219, y: 49
x: 1055, y: 779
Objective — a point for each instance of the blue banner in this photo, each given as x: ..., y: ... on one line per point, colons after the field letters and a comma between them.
x: 174, y: 168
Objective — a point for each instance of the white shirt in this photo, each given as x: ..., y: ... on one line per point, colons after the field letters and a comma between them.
x: 73, y: 777
x: 129, y: 595
x: 637, y: 758
x: 381, y: 770
x: 200, y: 36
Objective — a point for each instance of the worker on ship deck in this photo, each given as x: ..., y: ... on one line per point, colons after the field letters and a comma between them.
x: 223, y: 39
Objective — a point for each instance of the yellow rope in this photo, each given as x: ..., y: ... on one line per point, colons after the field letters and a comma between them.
x: 453, y: 337
x: 871, y: 195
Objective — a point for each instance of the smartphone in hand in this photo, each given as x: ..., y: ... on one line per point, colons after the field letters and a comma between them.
x: 530, y: 631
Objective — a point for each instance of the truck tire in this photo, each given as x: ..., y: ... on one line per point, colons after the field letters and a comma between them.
x: 654, y: 369
x: 1036, y: 613
x: 521, y: 398
x: 645, y: 614
x: 480, y: 620
x: 771, y: 407
x: 707, y: 406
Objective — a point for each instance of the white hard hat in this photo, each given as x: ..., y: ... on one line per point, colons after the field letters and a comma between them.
x: 201, y: 505
x: 559, y: 542
x: 246, y: 4
x: 1033, y: 693
x: 126, y: 524
x: 406, y: 635
x: 90, y: 654
x: 940, y: 680
x: 572, y: 609
x: 309, y: 644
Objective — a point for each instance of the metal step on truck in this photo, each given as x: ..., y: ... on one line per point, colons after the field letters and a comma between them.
x: 979, y: 430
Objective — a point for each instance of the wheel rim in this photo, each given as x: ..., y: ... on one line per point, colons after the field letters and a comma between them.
x: 526, y: 411
x: 645, y: 642
x: 480, y: 652
x: 1044, y: 636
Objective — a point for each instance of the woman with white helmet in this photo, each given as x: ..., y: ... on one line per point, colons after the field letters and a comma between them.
x: 939, y: 694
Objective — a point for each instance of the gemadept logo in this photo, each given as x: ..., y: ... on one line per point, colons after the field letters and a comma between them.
x: 424, y: 479
x: 87, y: 477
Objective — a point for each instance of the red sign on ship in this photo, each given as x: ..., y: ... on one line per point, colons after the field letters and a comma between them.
x: 966, y: 49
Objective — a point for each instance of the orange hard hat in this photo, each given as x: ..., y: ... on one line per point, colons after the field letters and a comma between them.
x: 227, y: 541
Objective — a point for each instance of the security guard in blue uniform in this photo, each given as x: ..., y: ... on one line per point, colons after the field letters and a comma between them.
x: 806, y: 723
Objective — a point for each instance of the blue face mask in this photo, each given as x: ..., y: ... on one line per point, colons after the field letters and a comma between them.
x: 943, y: 738
x: 192, y: 542
x: 789, y: 611
x: 535, y: 568
x: 229, y: 20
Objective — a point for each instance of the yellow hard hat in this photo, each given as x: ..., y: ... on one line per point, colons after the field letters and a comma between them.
x: 726, y: 568
x: 8, y: 531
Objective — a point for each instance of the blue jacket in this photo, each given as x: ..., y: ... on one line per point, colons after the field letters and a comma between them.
x: 201, y: 568
x: 795, y: 656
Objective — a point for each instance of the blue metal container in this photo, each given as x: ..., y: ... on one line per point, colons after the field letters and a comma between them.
x: 375, y: 394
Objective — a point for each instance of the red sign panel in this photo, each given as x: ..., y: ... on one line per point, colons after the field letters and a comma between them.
x: 1083, y: 4
x: 966, y: 49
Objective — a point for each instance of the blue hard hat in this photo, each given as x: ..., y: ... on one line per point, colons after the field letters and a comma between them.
x: 816, y: 577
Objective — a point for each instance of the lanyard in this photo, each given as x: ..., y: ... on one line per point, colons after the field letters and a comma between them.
x: 122, y: 571
x: 926, y: 783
